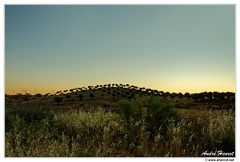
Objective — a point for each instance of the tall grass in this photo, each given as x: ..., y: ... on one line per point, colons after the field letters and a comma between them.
x: 100, y: 133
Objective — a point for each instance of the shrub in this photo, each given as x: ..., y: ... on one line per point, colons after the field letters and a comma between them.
x: 58, y: 99
x: 131, y: 110
x: 104, y: 134
x: 160, y: 116
x: 125, y: 109
x: 28, y: 114
x: 131, y: 113
x: 156, y: 120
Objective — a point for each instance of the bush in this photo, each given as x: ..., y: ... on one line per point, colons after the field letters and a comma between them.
x: 104, y: 134
x: 159, y: 117
x: 58, y: 99
x: 27, y: 114
x: 125, y: 110
x: 130, y: 110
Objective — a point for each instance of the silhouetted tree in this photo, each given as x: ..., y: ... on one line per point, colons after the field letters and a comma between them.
x: 123, y: 95
x: 232, y: 98
x: 38, y: 95
x: 187, y: 95
x: 68, y: 96
x: 90, y: 87
x: 26, y: 98
x: 180, y: 95
x: 221, y: 96
x: 113, y: 95
x: 194, y: 96
x: 230, y: 95
x: 161, y: 93
x: 91, y: 95
x: 173, y: 95
x: 155, y: 92
x: 80, y: 96
x: 215, y: 95
x: 129, y: 97
x: 200, y: 96
x: 118, y: 93
x: 209, y: 96
x: 167, y: 94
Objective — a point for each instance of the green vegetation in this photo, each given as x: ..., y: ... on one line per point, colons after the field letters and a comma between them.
x: 155, y: 130
x: 160, y: 117
x: 130, y: 110
x: 118, y: 120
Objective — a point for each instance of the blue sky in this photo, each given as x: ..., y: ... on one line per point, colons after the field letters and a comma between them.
x: 181, y: 48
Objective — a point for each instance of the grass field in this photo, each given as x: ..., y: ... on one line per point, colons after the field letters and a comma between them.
x: 107, y: 127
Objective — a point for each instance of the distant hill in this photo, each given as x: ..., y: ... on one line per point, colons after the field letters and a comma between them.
x: 108, y: 95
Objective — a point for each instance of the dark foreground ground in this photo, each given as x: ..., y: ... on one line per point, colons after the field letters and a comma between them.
x: 99, y: 124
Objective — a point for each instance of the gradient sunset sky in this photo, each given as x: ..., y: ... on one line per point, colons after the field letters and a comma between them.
x: 174, y: 48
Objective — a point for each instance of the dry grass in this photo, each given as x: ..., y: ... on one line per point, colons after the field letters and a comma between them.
x: 99, y: 134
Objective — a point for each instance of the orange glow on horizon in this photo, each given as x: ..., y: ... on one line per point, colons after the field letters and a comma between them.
x: 171, y: 89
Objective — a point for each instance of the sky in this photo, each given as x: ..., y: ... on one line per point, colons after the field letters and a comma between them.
x: 174, y: 48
